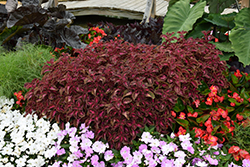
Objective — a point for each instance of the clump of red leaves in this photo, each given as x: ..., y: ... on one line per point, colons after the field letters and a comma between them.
x: 117, y: 87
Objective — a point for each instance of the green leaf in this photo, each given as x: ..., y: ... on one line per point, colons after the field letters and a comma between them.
x: 183, y: 122
x: 179, y: 106
x: 215, y: 123
x: 230, y: 109
x: 226, y: 20
x: 224, y: 127
x: 202, y: 87
x: 190, y: 109
x: 236, y: 125
x: 180, y: 17
x: 240, y: 36
x: 218, y: 6
x: 226, y: 56
x: 223, y: 46
x: 203, y: 118
x: 199, y: 26
x: 234, y: 79
x: 215, y: 130
x: 8, y: 33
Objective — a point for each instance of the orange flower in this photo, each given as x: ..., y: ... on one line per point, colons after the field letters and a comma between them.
x: 89, y: 36
x: 216, y: 40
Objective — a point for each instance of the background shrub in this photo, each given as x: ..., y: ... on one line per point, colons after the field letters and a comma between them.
x: 117, y: 87
x: 17, y: 68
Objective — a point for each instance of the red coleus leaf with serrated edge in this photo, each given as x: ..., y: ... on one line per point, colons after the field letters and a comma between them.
x: 90, y: 88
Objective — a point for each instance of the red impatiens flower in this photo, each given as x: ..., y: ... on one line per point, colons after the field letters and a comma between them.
x: 239, y: 117
x: 197, y: 103
x: 173, y: 113
x: 212, y: 140
x: 199, y: 132
x: 182, y: 131
x: 233, y: 150
x: 232, y: 104
x: 195, y: 114
x: 244, y: 154
x: 237, y: 73
x: 209, y: 101
x: 182, y: 115
x: 222, y: 112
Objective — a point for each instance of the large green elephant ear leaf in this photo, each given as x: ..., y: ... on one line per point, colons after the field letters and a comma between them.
x: 240, y: 36
x: 218, y: 6
x: 180, y: 17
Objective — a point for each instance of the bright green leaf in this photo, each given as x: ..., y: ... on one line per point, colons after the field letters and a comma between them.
x: 223, y: 46
x: 240, y: 36
x: 180, y: 17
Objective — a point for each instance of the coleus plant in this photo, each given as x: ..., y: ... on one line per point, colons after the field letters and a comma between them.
x: 215, y: 117
x: 34, y: 24
x: 116, y: 87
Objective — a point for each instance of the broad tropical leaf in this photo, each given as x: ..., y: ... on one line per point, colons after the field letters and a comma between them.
x: 222, y: 20
x: 223, y: 46
x: 240, y: 36
x: 218, y: 6
x: 180, y: 17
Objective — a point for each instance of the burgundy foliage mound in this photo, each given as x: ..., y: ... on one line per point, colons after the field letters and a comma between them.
x: 117, y: 87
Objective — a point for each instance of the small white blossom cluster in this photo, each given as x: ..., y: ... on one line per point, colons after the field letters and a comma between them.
x: 24, y: 140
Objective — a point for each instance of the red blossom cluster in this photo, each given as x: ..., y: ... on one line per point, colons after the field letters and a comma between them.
x: 97, y: 33
x: 217, y: 114
x: 19, y: 98
x: 238, y: 153
x: 212, y: 96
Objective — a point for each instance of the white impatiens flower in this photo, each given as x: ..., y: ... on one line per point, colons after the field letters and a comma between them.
x: 21, y: 162
x: 154, y: 143
x: 146, y: 137
x: 99, y: 147
x: 25, y: 140
x: 185, y: 137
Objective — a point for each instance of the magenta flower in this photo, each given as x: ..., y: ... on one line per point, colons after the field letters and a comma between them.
x: 94, y: 160
x: 61, y: 151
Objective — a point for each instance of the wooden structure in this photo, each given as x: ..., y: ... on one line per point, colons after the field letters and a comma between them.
x: 245, y: 3
x: 150, y: 10
x: 131, y: 9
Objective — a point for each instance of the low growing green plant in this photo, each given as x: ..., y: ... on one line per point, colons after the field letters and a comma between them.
x: 242, y: 137
x: 20, y: 67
